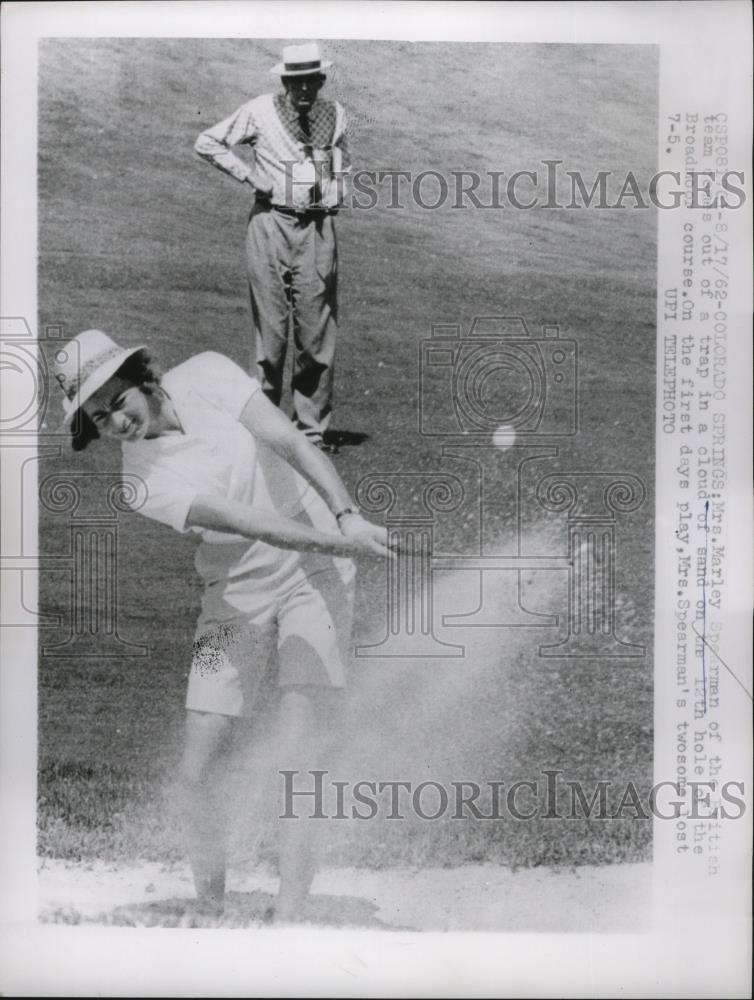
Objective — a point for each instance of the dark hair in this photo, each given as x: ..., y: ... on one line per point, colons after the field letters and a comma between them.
x: 141, y: 371
x: 83, y: 431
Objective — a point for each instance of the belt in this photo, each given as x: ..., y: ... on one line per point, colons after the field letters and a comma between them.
x: 304, y: 212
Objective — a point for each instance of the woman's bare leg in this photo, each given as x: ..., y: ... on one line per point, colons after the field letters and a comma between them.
x: 203, y: 784
x: 306, y: 742
x: 296, y: 859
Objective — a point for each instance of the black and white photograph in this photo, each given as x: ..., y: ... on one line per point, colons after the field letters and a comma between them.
x: 376, y: 559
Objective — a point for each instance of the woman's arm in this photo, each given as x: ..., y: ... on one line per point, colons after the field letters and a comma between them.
x: 266, y: 422
x: 218, y: 514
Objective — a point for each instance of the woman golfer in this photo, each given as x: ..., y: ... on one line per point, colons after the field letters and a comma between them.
x: 277, y: 530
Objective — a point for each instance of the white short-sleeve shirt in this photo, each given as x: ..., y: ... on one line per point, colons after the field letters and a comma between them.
x: 217, y: 455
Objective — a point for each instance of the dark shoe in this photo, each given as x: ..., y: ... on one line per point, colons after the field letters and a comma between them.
x: 326, y: 447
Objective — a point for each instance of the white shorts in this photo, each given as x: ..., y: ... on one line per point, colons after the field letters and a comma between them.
x: 308, y: 627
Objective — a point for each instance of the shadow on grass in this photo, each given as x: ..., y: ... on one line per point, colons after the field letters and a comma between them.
x: 242, y: 910
x: 345, y: 439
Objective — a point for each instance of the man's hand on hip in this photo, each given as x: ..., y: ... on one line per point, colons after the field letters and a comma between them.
x: 262, y: 185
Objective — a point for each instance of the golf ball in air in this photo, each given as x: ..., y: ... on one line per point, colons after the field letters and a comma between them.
x: 504, y: 437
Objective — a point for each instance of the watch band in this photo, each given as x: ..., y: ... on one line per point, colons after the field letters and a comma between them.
x: 346, y: 510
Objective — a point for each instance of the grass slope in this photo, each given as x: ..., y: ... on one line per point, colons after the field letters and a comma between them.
x: 141, y: 238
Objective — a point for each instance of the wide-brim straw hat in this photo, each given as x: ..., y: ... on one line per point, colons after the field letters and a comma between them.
x: 85, y: 364
x: 301, y: 60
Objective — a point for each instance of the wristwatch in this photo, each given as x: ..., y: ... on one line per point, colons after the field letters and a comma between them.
x: 346, y: 510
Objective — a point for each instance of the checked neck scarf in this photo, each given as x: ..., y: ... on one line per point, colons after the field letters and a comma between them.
x: 313, y: 129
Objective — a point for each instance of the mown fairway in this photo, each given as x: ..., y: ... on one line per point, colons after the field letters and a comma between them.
x: 141, y: 238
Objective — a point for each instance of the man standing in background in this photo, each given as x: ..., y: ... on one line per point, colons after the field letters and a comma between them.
x: 300, y: 161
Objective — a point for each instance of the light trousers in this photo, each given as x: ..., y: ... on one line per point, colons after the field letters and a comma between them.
x: 292, y: 268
